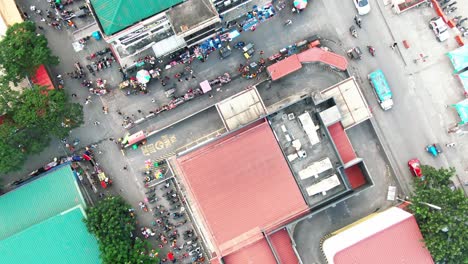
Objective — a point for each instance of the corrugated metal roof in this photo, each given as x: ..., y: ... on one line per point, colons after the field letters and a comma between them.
x: 116, y: 15
x: 284, y: 67
x: 341, y: 140
x: 257, y: 253
x: 242, y: 185
x: 42, y: 78
x: 283, y: 247
x: 321, y: 55
x: 399, y: 243
x: 39, y: 200
x: 59, y: 239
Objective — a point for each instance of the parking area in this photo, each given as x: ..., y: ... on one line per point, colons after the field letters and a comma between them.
x: 308, y: 150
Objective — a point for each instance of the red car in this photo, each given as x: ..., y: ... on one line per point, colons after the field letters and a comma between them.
x: 415, y: 167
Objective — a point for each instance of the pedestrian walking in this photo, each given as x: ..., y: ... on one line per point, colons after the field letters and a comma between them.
x: 125, y: 168
x: 153, y: 100
x: 88, y: 101
x: 262, y: 52
x: 394, y: 45
x: 96, y: 123
x: 74, y: 95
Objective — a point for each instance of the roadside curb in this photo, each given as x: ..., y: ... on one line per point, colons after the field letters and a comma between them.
x: 389, y: 156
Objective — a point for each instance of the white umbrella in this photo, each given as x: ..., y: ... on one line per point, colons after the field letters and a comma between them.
x: 143, y: 76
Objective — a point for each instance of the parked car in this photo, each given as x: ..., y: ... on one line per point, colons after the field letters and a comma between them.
x: 439, y: 28
x: 362, y: 6
x: 415, y: 167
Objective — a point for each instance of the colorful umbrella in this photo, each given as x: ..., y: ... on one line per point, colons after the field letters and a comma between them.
x: 300, y: 4
x: 143, y: 76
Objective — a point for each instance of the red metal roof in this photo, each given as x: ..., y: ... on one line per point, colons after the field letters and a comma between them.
x: 355, y: 176
x: 284, y: 67
x: 42, y: 78
x: 341, y: 140
x: 242, y: 185
x: 257, y: 253
x: 397, y: 244
x: 261, y: 253
x: 321, y: 55
x: 283, y: 247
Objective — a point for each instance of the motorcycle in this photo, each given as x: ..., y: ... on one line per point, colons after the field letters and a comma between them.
x: 288, y: 22
x: 239, y: 45
x: 143, y: 206
x: 353, y: 31
x: 371, y: 50
x: 357, y: 20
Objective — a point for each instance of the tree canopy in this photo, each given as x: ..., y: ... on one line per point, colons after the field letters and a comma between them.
x: 445, y: 231
x: 30, y: 120
x: 111, y: 223
x: 22, y: 51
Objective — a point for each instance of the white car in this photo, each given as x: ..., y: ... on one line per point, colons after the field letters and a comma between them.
x: 362, y: 6
x: 439, y: 28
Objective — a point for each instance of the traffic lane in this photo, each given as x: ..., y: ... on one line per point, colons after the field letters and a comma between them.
x: 308, y: 233
x: 179, y: 137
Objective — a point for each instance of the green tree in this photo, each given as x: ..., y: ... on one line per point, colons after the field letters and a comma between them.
x: 111, y: 223
x: 445, y: 231
x: 33, y: 117
x: 22, y: 51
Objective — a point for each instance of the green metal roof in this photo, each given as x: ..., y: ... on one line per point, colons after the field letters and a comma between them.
x: 116, y: 15
x: 59, y: 239
x: 34, y: 202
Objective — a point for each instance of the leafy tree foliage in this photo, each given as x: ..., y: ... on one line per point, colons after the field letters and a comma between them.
x: 445, y: 231
x: 22, y: 50
x: 31, y: 119
x: 111, y: 223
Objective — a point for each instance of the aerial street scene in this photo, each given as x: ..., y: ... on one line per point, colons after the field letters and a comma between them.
x: 234, y: 131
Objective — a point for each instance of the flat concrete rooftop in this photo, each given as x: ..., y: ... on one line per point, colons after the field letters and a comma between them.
x: 190, y: 14
x: 282, y: 121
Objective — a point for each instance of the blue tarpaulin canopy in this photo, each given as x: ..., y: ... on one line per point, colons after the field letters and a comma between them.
x: 459, y: 58
x: 462, y: 109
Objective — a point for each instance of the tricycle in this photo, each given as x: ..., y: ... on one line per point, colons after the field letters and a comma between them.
x: 354, y: 53
x: 248, y: 50
x: 434, y: 149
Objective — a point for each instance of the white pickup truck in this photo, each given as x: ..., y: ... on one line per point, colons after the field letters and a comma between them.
x: 439, y: 28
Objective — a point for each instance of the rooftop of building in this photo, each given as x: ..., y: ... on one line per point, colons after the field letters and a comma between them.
x: 117, y: 15
x: 42, y: 222
x: 190, y: 14
x: 236, y: 181
x: 51, y: 194
x: 288, y: 129
x: 392, y: 236
x: 60, y: 239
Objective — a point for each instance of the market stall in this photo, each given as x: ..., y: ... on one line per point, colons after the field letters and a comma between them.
x: 459, y: 58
